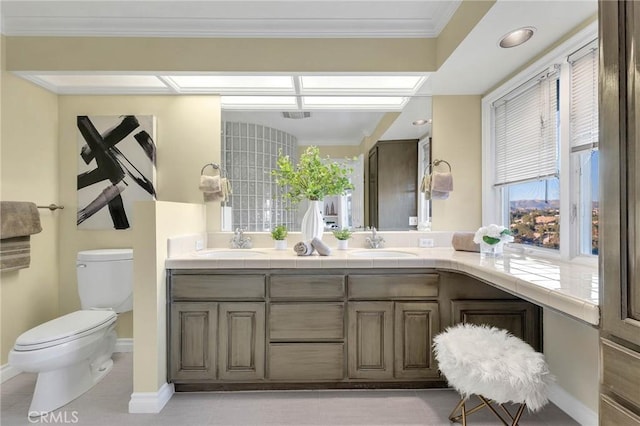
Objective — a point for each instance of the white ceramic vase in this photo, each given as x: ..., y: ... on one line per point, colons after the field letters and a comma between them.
x: 280, y: 244
x: 343, y: 244
x: 312, y: 223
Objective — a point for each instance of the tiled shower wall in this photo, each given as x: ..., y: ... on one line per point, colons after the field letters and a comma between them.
x: 250, y: 152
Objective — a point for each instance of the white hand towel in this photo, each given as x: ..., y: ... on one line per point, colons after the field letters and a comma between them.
x: 303, y: 248
x: 439, y: 195
x: 442, y: 182
x: 212, y: 197
x: 321, y: 248
x: 210, y: 183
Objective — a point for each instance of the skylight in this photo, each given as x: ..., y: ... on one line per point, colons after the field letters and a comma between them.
x: 361, y: 83
x: 355, y: 102
x: 259, y: 102
x: 234, y: 83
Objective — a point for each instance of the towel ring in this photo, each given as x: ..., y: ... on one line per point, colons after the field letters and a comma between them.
x: 214, y: 166
x: 438, y: 162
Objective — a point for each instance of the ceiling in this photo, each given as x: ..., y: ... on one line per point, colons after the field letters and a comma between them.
x: 228, y: 18
x: 476, y: 66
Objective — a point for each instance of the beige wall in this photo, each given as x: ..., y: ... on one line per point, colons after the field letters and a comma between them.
x: 337, y: 151
x: 220, y: 54
x: 188, y: 136
x: 461, y: 23
x: 571, y: 350
x: 158, y: 221
x: 29, y: 172
x: 457, y: 139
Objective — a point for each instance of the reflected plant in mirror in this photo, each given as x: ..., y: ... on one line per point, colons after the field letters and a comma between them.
x: 313, y: 178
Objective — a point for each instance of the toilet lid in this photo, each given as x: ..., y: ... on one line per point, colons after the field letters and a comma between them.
x: 66, y: 328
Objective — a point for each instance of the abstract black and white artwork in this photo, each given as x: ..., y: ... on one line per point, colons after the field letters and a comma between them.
x: 116, y: 167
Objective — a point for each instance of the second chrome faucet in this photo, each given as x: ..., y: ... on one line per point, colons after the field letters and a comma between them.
x: 375, y: 241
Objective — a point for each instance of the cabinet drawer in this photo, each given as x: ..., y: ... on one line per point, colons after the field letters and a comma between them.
x: 306, y: 321
x: 225, y: 287
x: 306, y: 361
x: 614, y: 414
x: 621, y: 370
x: 306, y: 287
x: 405, y: 286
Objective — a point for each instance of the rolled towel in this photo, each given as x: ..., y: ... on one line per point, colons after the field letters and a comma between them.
x: 303, y: 248
x: 442, y: 182
x: 463, y: 241
x: 321, y: 248
x: 210, y: 183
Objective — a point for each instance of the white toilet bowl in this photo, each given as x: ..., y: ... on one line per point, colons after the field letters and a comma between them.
x: 70, y: 354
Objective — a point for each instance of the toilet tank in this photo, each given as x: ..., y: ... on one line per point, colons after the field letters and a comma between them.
x: 105, y: 279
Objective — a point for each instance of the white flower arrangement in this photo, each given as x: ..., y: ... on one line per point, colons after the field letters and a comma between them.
x: 492, y: 234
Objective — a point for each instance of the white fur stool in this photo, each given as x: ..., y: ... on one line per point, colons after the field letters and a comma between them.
x: 493, y: 365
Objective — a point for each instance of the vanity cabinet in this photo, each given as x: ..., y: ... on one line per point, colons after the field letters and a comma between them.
x: 391, y: 338
x: 306, y: 330
x: 216, y: 327
x: 337, y: 328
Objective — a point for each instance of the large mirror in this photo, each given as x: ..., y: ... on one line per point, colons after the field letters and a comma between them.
x: 253, y: 136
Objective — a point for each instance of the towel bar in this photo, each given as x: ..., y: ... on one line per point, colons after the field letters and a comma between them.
x: 51, y: 207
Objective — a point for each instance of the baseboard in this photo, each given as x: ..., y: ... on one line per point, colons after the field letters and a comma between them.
x: 570, y: 405
x: 124, y: 345
x: 8, y: 372
x: 151, y: 402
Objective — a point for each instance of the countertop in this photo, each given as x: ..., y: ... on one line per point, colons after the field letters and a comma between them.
x: 566, y: 287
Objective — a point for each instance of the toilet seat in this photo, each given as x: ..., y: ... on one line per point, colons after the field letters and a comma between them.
x: 64, y: 329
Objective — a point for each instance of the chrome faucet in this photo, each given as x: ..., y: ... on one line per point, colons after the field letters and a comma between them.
x: 239, y: 241
x: 374, y: 240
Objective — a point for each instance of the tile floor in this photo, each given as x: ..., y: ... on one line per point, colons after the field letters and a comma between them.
x: 107, y: 404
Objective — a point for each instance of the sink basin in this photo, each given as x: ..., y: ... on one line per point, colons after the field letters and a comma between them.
x: 229, y: 254
x: 373, y: 253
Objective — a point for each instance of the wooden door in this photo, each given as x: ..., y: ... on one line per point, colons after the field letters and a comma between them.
x: 397, y: 183
x: 242, y: 340
x: 416, y: 324
x: 370, y: 340
x: 373, y: 187
x: 619, y: 222
x: 192, y: 343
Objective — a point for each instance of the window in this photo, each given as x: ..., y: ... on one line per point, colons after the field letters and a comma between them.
x: 526, y: 158
x: 584, y: 147
x: 540, y: 147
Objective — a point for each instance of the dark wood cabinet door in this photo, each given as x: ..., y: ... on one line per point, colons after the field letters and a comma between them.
x: 370, y: 340
x: 193, y: 341
x: 416, y: 323
x: 242, y: 341
x: 521, y: 318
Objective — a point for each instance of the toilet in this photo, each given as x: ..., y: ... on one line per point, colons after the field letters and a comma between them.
x: 73, y: 352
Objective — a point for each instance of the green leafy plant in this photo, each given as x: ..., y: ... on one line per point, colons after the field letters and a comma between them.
x: 342, y: 234
x: 279, y: 232
x: 313, y: 178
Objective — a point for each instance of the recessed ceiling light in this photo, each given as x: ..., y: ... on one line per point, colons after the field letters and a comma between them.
x: 421, y: 122
x: 516, y: 37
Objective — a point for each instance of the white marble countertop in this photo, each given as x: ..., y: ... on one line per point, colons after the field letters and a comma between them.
x: 565, y: 287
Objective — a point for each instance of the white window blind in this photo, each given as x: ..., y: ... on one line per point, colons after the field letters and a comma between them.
x: 584, y: 98
x: 526, y: 131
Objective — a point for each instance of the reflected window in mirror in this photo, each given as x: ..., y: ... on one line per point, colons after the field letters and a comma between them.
x: 424, y: 205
